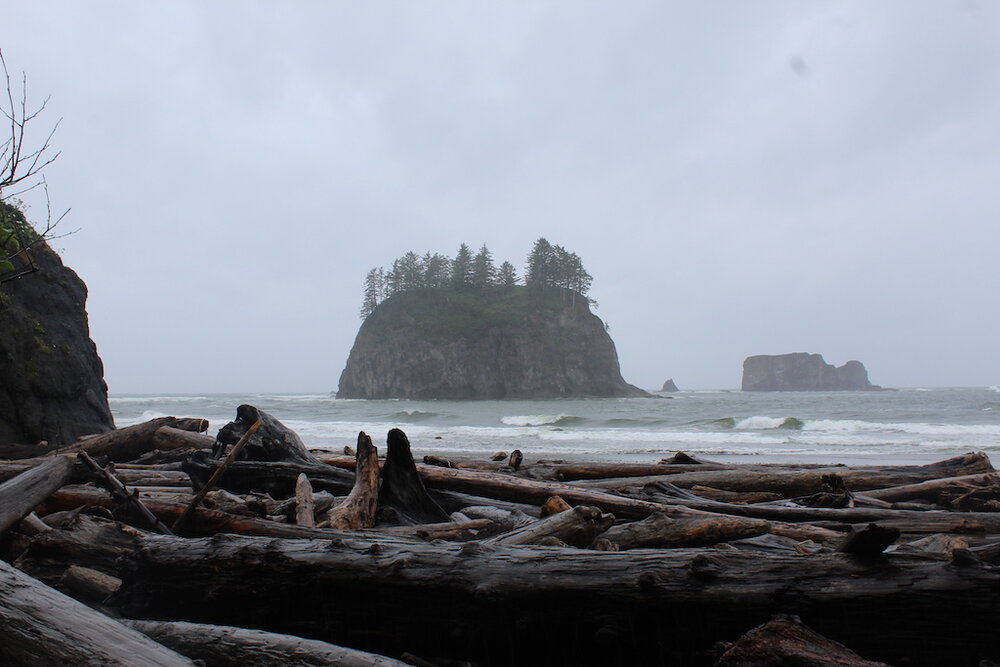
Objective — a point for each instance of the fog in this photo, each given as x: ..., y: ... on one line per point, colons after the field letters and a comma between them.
x: 739, y: 178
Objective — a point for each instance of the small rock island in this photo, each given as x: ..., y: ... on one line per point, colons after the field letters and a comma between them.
x: 801, y: 371
x: 461, y: 329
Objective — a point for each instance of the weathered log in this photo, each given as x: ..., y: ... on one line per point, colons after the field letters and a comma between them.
x: 734, y: 496
x: 167, y: 438
x: 41, y: 626
x: 20, y: 495
x: 90, y: 584
x: 272, y: 442
x: 906, y: 520
x: 578, y: 527
x: 531, y: 491
x: 554, y: 505
x: 276, y: 478
x: 226, y: 646
x: 126, y: 444
x: 305, y: 507
x: 785, y: 640
x: 618, y: 607
x: 661, y: 531
x: 106, y: 479
x: 932, y: 490
x: 402, y: 489
x: 360, y: 508
x: 792, y: 483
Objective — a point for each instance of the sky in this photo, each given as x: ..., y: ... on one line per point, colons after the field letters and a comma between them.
x: 740, y: 178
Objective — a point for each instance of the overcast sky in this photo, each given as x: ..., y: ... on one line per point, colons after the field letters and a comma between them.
x: 739, y: 177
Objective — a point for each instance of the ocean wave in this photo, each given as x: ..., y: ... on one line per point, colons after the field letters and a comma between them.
x: 541, y: 420
x: 413, y: 415
x: 759, y: 423
x: 995, y: 388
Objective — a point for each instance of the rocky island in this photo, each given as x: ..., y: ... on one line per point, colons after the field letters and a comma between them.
x: 474, y: 333
x: 801, y: 371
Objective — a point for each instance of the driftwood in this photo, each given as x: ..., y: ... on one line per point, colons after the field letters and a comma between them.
x: 577, y: 527
x: 792, y: 483
x: 659, y: 530
x: 167, y: 438
x: 90, y: 584
x: 276, y: 478
x: 784, y: 640
x: 223, y: 646
x: 126, y: 444
x: 20, y: 495
x: 41, y: 626
x: 618, y: 606
x: 272, y: 442
x: 360, y: 508
x: 107, y: 479
x: 305, y: 506
x: 402, y: 489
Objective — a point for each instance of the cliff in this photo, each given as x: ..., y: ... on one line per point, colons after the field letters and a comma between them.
x: 803, y: 372
x: 502, y: 344
x: 51, y: 379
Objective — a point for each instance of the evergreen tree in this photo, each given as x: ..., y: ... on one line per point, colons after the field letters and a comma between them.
x: 461, y: 268
x: 437, y: 270
x: 411, y: 270
x: 484, y: 273
x: 507, y: 277
x: 540, y: 265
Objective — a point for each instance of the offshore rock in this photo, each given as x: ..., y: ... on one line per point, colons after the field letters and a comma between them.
x: 669, y: 386
x: 800, y: 371
x: 51, y: 379
x: 501, y: 344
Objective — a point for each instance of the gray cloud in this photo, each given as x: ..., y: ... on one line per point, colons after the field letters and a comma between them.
x: 740, y: 178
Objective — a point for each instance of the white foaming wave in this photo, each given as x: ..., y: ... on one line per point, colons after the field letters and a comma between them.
x: 156, y: 399
x: 759, y: 423
x: 144, y: 417
x: 995, y: 388
x: 918, y: 428
x: 663, y: 436
x: 531, y: 420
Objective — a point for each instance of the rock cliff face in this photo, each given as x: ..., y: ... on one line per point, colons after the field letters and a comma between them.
x: 510, y: 344
x: 51, y: 379
x: 803, y: 372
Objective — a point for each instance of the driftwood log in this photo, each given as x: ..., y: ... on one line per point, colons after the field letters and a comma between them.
x: 272, y: 442
x: 359, y: 509
x: 784, y: 640
x: 224, y: 646
x: 661, y: 531
x: 126, y: 444
x: 20, y: 495
x: 576, y: 527
x: 618, y: 607
x: 41, y: 626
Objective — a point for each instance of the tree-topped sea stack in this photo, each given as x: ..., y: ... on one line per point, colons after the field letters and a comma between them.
x: 462, y: 329
x: 800, y: 371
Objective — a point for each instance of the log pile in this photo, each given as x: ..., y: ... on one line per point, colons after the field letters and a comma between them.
x: 262, y: 552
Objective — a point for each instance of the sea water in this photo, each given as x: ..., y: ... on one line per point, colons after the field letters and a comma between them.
x: 902, y: 426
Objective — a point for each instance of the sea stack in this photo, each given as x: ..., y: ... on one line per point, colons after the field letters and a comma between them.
x: 512, y: 343
x: 801, y: 371
x: 669, y: 386
x: 51, y: 380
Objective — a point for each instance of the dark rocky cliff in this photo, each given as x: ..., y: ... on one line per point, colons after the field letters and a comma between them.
x: 803, y: 372
x: 507, y: 344
x: 51, y: 379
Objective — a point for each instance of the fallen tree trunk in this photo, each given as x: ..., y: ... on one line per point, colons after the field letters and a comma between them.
x: 276, y: 478
x: 934, y: 490
x: 131, y: 442
x: 793, y: 483
x: 20, y: 495
x: 784, y: 640
x: 664, y: 532
x: 225, y: 646
x: 166, y: 438
x: 576, y: 527
x: 360, y: 508
x: 41, y: 626
x: 273, y: 441
x: 618, y: 607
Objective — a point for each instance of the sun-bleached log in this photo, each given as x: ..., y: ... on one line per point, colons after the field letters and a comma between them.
x: 577, y: 527
x: 664, y: 532
x: 166, y: 438
x: 305, y: 506
x: 126, y: 444
x: 41, y: 626
x: 226, y: 646
x: 20, y: 495
x: 618, y: 605
x: 360, y: 508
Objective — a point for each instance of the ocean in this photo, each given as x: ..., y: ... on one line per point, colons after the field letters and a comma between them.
x: 907, y: 426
